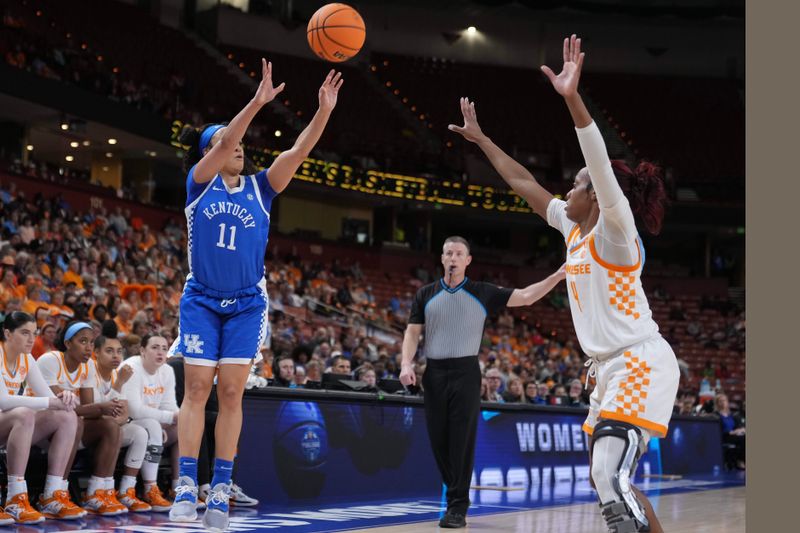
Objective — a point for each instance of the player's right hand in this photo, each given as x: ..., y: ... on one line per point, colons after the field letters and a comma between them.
x: 561, y: 273
x: 266, y: 92
x: 407, y: 375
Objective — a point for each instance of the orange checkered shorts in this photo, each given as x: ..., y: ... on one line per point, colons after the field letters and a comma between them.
x: 637, y: 386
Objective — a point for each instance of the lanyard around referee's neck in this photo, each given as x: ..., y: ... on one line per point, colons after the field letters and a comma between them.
x: 457, y: 288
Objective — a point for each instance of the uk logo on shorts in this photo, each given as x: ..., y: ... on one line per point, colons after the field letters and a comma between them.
x: 193, y: 344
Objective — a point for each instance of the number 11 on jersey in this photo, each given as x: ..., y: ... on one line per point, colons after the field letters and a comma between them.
x: 232, y: 241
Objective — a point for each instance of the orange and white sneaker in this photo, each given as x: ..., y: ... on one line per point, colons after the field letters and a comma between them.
x: 60, y: 507
x: 5, y: 518
x: 134, y: 504
x: 103, y: 502
x: 157, y: 500
x: 111, y: 497
x: 19, y: 507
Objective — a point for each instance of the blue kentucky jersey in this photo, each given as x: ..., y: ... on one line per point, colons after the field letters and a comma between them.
x: 228, y: 230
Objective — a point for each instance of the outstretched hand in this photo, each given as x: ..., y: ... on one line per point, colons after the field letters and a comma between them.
x: 329, y: 91
x: 566, y: 83
x: 266, y: 92
x: 471, y: 131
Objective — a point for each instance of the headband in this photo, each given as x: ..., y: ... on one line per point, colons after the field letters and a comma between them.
x: 205, y: 137
x: 74, y: 329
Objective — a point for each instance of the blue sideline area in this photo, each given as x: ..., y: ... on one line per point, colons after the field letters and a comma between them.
x: 335, y: 461
x: 310, y: 518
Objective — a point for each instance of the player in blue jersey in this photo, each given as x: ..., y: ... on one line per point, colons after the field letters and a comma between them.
x: 223, y: 310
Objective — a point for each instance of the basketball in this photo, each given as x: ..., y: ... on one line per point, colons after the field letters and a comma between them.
x: 336, y: 32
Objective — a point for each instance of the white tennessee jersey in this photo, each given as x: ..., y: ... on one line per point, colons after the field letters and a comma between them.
x: 103, y: 391
x: 14, y: 380
x: 54, y: 370
x: 609, y: 309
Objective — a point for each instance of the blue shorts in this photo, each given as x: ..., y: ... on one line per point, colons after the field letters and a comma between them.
x: 214, y: 330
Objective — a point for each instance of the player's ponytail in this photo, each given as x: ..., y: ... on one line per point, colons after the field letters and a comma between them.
x: 190, y: 137
x: 645, y: 191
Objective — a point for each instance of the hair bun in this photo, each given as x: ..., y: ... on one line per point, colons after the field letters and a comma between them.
x: 189, y: 135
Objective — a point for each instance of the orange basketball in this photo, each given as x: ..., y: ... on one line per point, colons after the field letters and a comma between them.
x: 336, y: 32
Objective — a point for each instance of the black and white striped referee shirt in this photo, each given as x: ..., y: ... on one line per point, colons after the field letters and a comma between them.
x: 454, y: 318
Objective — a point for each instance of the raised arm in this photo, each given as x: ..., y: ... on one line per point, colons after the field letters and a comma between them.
x: 533, y: 293
x: 286, y: 164
x: 515, y: 175
x: 215, y: 158
x: 605, y: 184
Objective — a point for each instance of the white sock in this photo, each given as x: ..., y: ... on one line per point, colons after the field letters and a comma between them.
x: 16, y: 485
x: 65, y: 484
x: 95, y: 484
x: 52, y: 484
x: 126, y: 483
x: 109, y: 483
x: 149, y: 472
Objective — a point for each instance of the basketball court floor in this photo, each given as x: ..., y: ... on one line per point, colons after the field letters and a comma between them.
x: 696, y: 504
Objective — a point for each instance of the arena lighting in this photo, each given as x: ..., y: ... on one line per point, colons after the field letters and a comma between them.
x: 86, y: 143
x: 112, y: 141
x: 29, y: 148
x: 74, y: 144
x: 64, y: 126
x: 277, y: 133
x: 70, y: 158
x: 109, y: 154
x: 472, y: 30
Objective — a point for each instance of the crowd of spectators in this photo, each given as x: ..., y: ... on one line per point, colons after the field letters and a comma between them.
x: 55, y: 43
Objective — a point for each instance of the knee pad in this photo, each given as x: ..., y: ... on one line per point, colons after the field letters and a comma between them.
x: 627, y: 515
x: 153, y: 454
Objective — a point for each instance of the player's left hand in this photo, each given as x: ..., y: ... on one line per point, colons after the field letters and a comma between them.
x: 566, y: 83
x: 329, y: 91
x: 69, y: 399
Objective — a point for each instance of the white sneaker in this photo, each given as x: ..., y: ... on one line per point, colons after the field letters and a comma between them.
x: 184, y: 508
x: 240, y: 499
x: 216, y: 517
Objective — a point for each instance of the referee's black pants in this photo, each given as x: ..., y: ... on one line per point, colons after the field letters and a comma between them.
x: 452, y: 407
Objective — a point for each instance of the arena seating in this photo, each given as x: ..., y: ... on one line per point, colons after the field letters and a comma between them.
x: 516, y: 107
x: 661, y: 118
x: 364, y: 124
x: 667, y: 118
x: 98, y: 45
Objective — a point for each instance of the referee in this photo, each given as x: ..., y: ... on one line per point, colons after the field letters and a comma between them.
x: 453, y: 311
